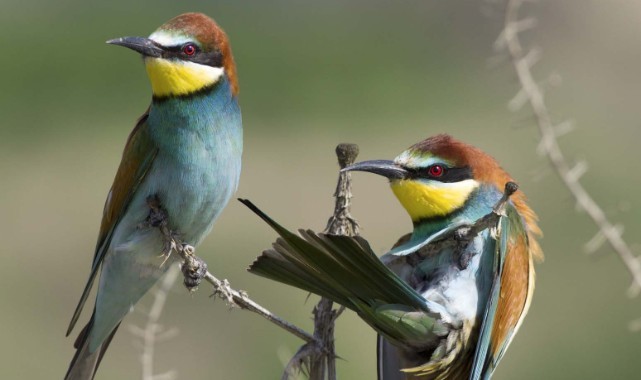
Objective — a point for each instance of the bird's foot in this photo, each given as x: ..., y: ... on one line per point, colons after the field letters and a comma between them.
x: 194, y: 269
x: 157, y: 216
x: 171, y: 243
x: 188, y: 249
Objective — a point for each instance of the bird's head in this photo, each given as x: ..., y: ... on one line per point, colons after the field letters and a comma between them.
x: 436, y: 177
x: 187, y: 54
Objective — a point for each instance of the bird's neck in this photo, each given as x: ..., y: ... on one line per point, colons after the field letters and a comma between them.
x: 208, y: 102
x: 210, y: 117
x: 478, y: 204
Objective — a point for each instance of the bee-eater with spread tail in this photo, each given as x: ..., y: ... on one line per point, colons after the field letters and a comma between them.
x: 444, y: 308
x: 185, y: 152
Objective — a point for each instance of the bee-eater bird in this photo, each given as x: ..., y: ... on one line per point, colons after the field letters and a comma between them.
x: 444, y: 307
x: 185, y: 152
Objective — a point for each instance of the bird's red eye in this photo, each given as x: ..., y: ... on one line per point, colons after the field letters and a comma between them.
x: 189, y: 49
x: 436, y: 170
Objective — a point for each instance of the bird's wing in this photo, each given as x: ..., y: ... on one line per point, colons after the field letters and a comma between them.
x: 406, y: 246
x: 137, y: 157
x: 510, y: 295
x: 347, y: 271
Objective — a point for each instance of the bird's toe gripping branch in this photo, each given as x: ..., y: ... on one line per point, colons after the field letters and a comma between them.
x: 193, y: 267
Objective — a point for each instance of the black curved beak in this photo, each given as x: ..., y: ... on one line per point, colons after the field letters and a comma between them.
x: 142, y: 45
x: 386, y: 168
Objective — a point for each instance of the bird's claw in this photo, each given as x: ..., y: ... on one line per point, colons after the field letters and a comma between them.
x: 171, y: 243
x: 193, y: 268
x: 188, y: 249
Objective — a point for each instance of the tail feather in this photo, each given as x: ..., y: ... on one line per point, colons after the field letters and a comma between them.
x: 346, y: 270
x: 84, y: 364
x: 342, y: 268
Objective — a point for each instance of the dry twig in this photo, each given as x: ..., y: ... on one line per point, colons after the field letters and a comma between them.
x: 319, y: 358
x: 531, y: 93
x: 194, y: 270
x: 153, y: 331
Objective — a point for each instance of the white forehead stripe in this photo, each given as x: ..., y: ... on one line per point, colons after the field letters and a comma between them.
x: 166, y: 38
x: 410, y: 160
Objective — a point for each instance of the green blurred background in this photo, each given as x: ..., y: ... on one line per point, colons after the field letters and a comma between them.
x: 313, y: 74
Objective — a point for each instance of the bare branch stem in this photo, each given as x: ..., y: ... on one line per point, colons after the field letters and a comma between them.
x: 550, y: 146
x: 241, y: 299
x: 194, y: 270
x: 152, y: 327
x: 320, y: 357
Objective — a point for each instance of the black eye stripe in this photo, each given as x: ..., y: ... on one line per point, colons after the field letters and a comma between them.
x: 210, y: 58
x: 449, y: 174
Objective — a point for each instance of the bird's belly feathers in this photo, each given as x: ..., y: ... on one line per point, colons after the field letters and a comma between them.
x: 456, y: 284
x: 458, y: 279
x: 194, y: 191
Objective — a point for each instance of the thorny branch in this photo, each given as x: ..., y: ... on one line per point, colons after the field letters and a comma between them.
x: 341, y: 222
x: 194, y: 270
x: 153, y: 331
x: 531, y: 93
x: 319, y: 358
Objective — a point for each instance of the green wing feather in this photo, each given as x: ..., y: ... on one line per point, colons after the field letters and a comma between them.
x: 347, y: 271
x: 137, y: 157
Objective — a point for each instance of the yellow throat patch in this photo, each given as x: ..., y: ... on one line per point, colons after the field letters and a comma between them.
x: 175, y: 78
x: 423, y: 200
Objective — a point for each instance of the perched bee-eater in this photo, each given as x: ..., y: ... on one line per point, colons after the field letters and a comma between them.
x: 185, y: 152
x: 444, y: 307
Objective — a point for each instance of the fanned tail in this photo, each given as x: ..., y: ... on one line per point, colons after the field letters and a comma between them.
x: 346, y: 270
x: 342, y: 268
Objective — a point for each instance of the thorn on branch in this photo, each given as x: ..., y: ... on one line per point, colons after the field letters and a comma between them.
x: 518, y: 101
x: 634, y: 290
x: 560, y: 130
x: 577, y: 171
x: 225, y: 292
x: 511, y: 29
x: 532, y: 57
